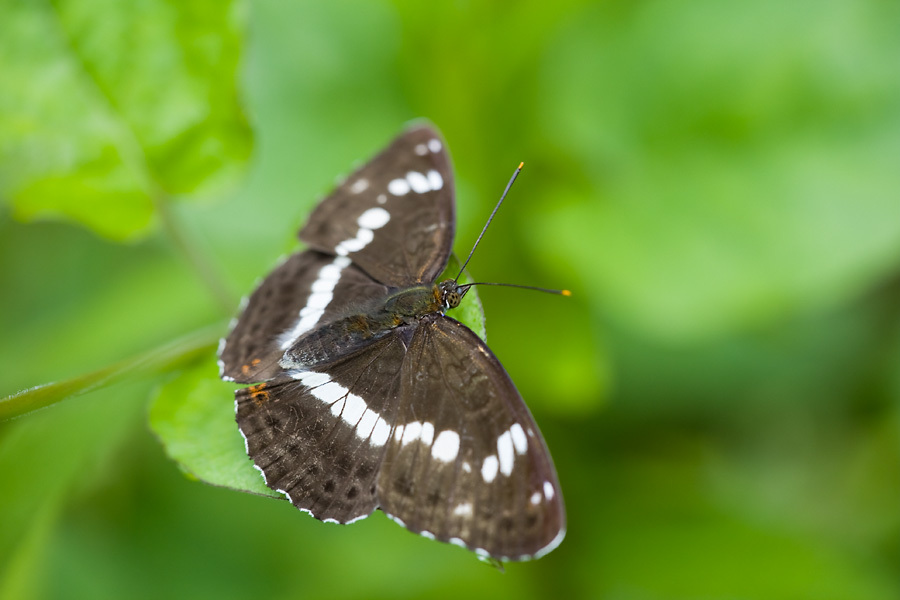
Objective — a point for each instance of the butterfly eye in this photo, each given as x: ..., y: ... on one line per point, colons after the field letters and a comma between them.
x: 450, y: 295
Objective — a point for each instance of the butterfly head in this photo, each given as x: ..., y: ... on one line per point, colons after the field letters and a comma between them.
x: 451, y: 293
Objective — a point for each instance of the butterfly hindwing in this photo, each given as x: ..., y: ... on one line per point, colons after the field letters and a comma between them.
x: 319, y: 436
x: 466, y: 463
x: 394, y: 217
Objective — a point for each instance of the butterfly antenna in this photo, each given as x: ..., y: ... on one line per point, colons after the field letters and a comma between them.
x: 490, y: 218
x: 466, y: 287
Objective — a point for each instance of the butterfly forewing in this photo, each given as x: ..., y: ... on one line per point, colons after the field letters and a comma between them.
x: 466, y: 463
x: 306, y: 290
x: 393, y: 217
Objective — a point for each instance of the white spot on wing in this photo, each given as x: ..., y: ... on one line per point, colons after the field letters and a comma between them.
x: 360, y: 185
x: 421, y: 150
x: 520, y: 440
x: 446, y: 446
x: 363, y: 237
x: 505, y: 452
x: 367, y: 424
x: 434, y: 145
x: 427, y: 534
x: 330, y: 392
x: 321, y: 286
x: 548, y: 490
x: 311, y: 378
x: 318, y: 300
x: 374, y: 218
x: 435, y: 180
x: 308, y: 320
x: 330, y: 273
x: 321, y: 296
x: 380, y: 433
x: 418, y: 182
x: 342, y: 249
x: 427, y: 433
x: 398, y: 187
x: 337, y: 408
x: 457, y: 542
x: 411, y: 433
x: 489, y: 468
x: 352, y: 409
x: 536, y: 498
x: 463, y: 510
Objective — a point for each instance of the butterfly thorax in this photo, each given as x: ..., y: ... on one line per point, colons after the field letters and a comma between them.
x: 414, y: 303
x: 411, y: 303
x: 370, y: 322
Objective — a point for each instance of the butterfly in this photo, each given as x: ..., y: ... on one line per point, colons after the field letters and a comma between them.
x: 367, y: 395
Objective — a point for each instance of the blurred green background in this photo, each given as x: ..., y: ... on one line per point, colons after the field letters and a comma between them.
x: 717, y: 182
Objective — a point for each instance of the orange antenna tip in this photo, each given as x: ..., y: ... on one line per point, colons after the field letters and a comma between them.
x: 565, y: 292
x: 521, y: 164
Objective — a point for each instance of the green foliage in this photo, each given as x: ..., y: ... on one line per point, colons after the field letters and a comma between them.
x: 741, y: 182
x: 103, y: 118
x: 716, y: 182
x: 195, y: 423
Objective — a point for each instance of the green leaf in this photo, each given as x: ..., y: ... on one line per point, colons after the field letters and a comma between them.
x: 193, y: 417
x: 101, y: 118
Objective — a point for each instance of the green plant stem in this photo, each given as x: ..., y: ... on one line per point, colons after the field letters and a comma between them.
x: 181, y: 351
x: 199, y: 261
